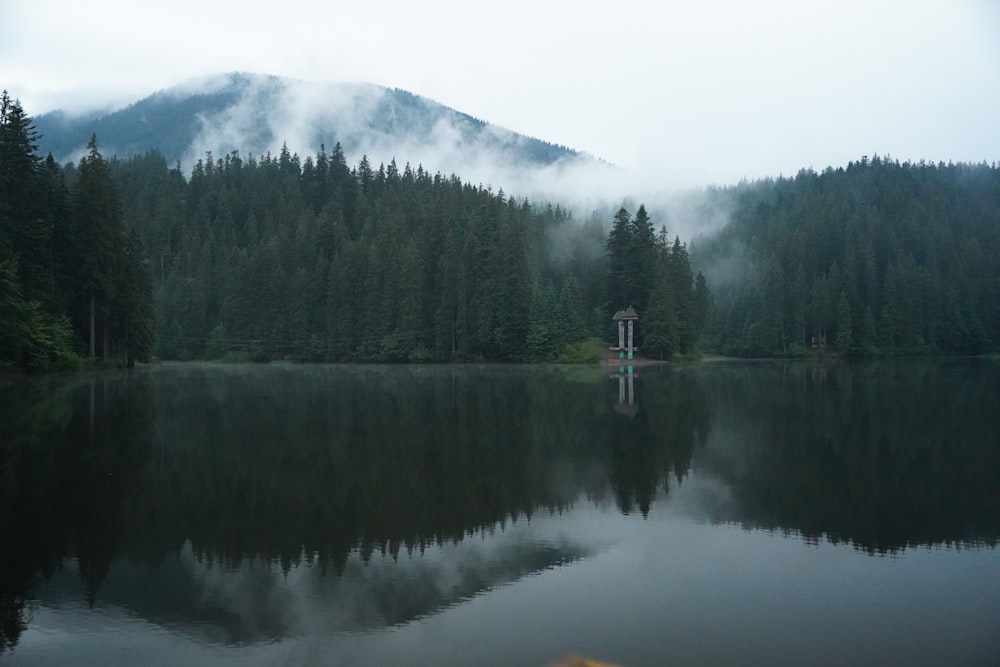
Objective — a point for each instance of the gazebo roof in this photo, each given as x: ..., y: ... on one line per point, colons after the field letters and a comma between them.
x: 627, y: 314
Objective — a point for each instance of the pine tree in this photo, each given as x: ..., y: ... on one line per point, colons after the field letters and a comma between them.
x: 97, y: 220
x: 620, y: 282
x: 680, y: 282
x: 134, y: 322
x: 660, y: 327
x: 845, y: 329
x: 24, y: 233
x: 642, y: 256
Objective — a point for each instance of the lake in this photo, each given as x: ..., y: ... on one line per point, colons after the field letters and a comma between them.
x: 729, y: 513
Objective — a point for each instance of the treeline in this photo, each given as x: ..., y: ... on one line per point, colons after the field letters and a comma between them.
x: 878, y: 258
x: 649, y: 273
x: 311, y: 260
x: 278, y: 257
x: 72, y: 278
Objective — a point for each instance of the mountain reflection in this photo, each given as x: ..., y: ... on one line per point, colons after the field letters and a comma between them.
x: 256, y: 601
x: 409, y: 488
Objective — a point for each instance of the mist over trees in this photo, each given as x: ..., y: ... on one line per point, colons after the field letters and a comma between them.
x: 280, y: 257
x: 878, y: 258
x: 312, y: 260
x: 254, y: 114
x: 649, y: 273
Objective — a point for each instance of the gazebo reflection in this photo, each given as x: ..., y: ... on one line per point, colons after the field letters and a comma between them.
x: 626, y: 392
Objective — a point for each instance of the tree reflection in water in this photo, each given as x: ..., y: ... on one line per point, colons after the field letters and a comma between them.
x: 286, y: 465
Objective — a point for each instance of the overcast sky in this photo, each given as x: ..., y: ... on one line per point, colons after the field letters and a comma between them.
x: 706, y: 91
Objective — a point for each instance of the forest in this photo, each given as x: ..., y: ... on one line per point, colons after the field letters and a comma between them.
x: 280, y: 258
x: 312, y: 260
x: 878, y: 258
x: 277, y: 257
x: 73, y: 280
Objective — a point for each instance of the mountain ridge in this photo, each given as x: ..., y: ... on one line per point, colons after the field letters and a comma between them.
x: 256, y: 114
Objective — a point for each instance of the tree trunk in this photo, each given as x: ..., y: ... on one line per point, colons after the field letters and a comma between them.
x: 105, y: 355
x: 93, y: 353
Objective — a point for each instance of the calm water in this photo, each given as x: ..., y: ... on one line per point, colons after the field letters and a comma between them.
x: 719, y: 514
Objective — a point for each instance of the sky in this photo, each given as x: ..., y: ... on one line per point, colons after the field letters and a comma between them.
x: 684, y: 92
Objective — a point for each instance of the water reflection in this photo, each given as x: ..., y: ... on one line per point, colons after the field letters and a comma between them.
x: 71, y: 451
x: 194, y: 496
x: 626, y: 392
x: 883, y: 456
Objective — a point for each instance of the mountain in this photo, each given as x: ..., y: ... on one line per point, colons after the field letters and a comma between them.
x: 256, y: 114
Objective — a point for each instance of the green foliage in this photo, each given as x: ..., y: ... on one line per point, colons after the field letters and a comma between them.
x: 845, y: 326
x: 30, y: 337
x: 661, y: 338
x: 309, y: 260
x: 629, y: 273
x: 587, y: 351
x: 232, y: 357
x: 216, y: 348
x: 878, y: 258
x: 67, y: 267
x: 279, y: 258
x: 654, y: 277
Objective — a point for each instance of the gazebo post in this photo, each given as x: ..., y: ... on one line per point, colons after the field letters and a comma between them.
x: 621, y: 317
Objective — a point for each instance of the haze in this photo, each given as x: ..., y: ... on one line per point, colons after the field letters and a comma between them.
x: 678, y: 94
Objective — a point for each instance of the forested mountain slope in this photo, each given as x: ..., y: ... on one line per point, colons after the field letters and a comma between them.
x: 313, y: 260
x: 875, y: 258
x: 278, y: 257
x: 274, y: 257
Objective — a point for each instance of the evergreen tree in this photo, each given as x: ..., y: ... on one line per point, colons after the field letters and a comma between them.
x: 620, y: 280
x: 113, y: 295
x: 681, y: 283
x: 134, y: 324
x: 911, y: 244
x: 62, y: 264
x: 19, y: 182
x: 97, y: 219
x: 845, y: 328
x: 660, y: 326
x: 642, y: 255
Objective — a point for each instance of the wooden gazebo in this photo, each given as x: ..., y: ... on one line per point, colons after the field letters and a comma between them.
x: 621, y: 317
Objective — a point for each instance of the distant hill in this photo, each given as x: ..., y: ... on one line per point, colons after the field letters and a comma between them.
x: 256, y: 114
